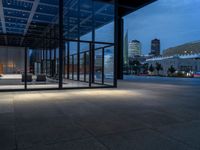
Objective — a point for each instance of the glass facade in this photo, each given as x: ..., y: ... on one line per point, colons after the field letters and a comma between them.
x: 51, y: 44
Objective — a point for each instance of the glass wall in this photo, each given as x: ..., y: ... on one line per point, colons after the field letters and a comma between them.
x: 30, y: 55
x: 11, y: 67
x: 88, y: 33
x: 42, y: 65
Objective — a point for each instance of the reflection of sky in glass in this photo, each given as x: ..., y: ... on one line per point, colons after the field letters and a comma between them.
x: 174, y: 22
x: 103, y: 34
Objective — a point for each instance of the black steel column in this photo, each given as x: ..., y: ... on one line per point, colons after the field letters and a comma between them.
x: 92, y: 47
x: 64, y: 59
x: 54, y: 69
x: 68, y: 59
x: 78, y: 46
x: 25, y: 67
x: 55, y: 45
x: 120, y: 57
x: 90, y: 69
x: 84, y: 64
x: 61, y: 17
x: 50, y: 55
x: 72, y: 67
x: 68, y: 45
x: 103, y: 60
x: 116, y: 19
x: 46, y: 55
x: 42, y: 65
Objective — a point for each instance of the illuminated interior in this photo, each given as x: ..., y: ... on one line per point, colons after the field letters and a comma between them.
x: 51, y: 44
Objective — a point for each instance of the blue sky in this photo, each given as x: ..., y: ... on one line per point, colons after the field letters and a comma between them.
x: 174, y: 22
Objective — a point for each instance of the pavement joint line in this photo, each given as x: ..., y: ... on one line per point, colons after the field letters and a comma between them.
x: 87, y: 130
x: 63, y: 140
x: 121, y: 132
x: 15, y: 126
x: 174, y: 139
x: 90, y: 132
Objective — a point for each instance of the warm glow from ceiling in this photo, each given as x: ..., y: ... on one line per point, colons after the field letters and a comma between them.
x: 77, y: 94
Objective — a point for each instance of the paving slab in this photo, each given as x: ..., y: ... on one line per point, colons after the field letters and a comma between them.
x: 134, y: 116
x: 142, y: 140
x: 7, y: 137
x: 188, y: 132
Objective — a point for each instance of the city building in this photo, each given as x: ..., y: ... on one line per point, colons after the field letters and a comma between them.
x: 188, y: 48
x: 134, y: 49
x: 53, y: 44
x: 155, y: 47
x: 181, y: 63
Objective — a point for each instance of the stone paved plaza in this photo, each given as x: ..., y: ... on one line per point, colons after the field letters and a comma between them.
x: 139, y: 115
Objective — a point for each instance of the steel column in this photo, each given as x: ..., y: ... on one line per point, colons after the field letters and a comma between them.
x: 84, y: 64
x: 93, y: 41
x: 120, y: 59
x: 25, y: 67
x: 116, y: 5
x: 68, y: 59
x: 61, y: 17
x: 78, y: 46
x: 103, y: 53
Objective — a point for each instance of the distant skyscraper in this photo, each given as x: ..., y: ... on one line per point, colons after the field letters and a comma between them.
x: 155, y: 47
x: 134, y: 48
x: 126, y: 49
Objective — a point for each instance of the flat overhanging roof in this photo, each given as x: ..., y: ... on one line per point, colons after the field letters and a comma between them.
x: 128, y: 6
x: 35, y: 17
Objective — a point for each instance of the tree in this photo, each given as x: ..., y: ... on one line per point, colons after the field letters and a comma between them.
x: 158, y: 67
x: 134, y: 63
x: 171, y: 70
x: 145, y: 68
x: 151, y: 68
x: 135, y: 66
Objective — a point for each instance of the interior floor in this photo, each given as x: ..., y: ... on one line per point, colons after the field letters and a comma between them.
x: 14, y: 81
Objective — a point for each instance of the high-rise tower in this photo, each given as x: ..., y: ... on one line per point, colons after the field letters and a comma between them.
x: 134, y: 48
x: 155, y: 47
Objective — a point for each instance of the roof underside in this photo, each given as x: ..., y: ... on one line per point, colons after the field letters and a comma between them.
x: 126, y: 7
x: 36, y: 18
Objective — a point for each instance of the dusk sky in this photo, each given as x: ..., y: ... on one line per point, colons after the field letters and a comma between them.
x: 174, y: 22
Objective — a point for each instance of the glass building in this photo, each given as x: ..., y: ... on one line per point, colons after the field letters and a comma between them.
x: 58, y: 44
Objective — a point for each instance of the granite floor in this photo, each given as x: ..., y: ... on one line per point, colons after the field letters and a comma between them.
x: 136, y: 116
